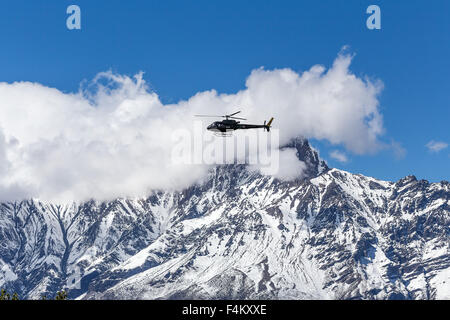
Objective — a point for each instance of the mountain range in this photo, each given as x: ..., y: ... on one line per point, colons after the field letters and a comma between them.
x: 238, y: 235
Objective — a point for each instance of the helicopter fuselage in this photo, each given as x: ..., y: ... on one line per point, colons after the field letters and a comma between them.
x: 231, y: 125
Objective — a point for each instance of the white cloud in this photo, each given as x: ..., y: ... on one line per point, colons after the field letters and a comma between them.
x: 339, y: 156
x: 114, y: 138
x: 436, y: 146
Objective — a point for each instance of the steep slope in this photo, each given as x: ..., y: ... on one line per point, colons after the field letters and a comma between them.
x: 44, y: 245
x: 329, y: 235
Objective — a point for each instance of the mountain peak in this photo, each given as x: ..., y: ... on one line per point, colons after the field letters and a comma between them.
x: 406, y: 180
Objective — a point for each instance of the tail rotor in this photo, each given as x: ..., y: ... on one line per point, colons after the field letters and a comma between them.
x: 268, y: 125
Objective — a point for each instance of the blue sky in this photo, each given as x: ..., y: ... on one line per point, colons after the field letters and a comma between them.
x: 189, y: 46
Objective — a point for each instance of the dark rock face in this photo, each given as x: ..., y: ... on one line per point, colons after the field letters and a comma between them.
x: 239, y: 235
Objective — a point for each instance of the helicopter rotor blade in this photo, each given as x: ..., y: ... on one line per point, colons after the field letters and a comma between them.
x: 230, y: 115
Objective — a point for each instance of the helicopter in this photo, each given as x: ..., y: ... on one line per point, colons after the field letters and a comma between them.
x: 230, y: 124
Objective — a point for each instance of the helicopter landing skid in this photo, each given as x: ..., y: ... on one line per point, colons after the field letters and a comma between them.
x: 223, y: 134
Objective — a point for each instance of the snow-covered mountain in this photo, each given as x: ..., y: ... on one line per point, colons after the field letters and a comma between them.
x: 239, y: 235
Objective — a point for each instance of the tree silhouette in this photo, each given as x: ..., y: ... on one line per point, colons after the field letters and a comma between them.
x: 61, y: 295
x: 4, y: 295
